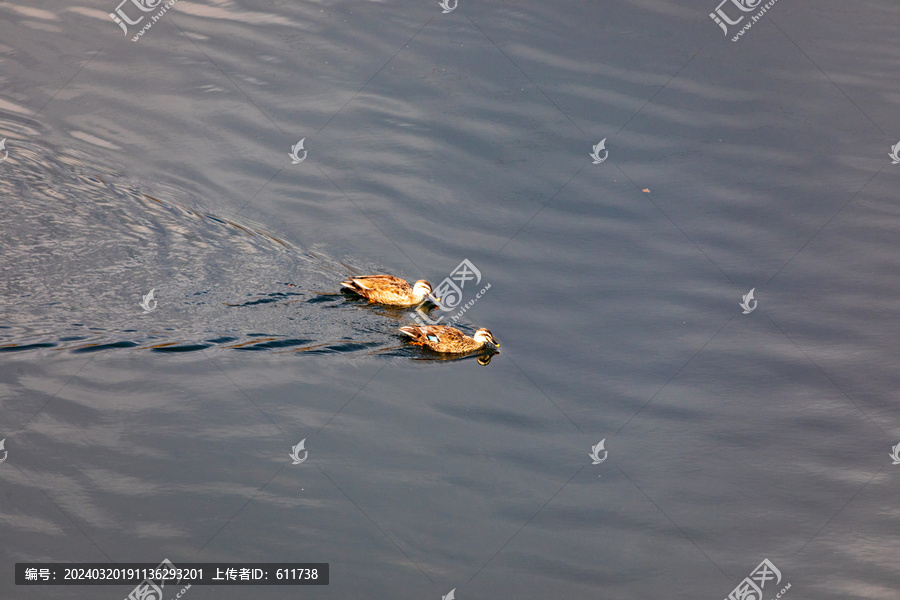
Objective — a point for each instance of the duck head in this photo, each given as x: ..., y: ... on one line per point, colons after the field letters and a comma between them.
x: 422, y: 290
x: 484, y: 336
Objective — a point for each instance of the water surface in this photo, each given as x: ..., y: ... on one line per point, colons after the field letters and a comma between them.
x: 163, y: 164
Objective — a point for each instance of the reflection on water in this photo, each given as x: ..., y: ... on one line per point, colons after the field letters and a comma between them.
x: 83, y: 247
x: 482, y: 357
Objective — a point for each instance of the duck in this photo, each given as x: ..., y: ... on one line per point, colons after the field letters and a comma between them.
x: 449, y: 340
x: 388, y: 290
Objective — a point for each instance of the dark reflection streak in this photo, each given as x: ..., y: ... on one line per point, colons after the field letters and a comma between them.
x: 185, y: 348
x: 304, y: 348
x: 22, y: 347
x: 827, y: 376
x: 673, y: 522
x: 241, y: 228
x: 155, y: 346
x: 380, y: 350
x: 250, y: 499
x: 383, y: 532
x: 100, y: 347
x: 251, y: 342
x: 72, y: 521
x: 525, y: 524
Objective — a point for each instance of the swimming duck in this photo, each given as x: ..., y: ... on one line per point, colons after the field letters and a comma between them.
x: 389, y: 290
x: 441, y: 338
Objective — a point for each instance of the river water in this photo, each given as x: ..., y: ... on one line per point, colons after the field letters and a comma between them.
x: 430, y: 138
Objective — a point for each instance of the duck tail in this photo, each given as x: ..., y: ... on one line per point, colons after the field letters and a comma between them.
x: 416, y: 335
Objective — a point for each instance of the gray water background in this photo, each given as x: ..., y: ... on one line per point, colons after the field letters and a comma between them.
x: 433, y: 138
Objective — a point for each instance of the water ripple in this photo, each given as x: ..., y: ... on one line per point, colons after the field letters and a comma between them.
x: 83, y: 245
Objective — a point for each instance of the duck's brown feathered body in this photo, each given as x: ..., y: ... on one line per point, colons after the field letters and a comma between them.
x: 387, y: 289
x: 441, y: 338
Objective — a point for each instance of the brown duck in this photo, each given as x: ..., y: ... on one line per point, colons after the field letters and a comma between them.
x: 441, y: 338
x: 389, y: 290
